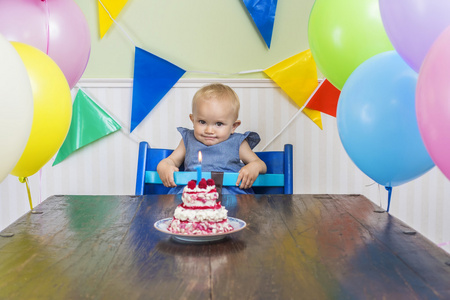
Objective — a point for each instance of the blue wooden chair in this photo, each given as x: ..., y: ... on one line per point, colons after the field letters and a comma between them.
x: 277, y: 180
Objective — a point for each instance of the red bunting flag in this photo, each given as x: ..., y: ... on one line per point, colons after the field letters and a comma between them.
x: 325, y: 99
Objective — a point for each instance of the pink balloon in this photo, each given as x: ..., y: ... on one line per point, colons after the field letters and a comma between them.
x: 56, y: 27
x: 413, y: 25
x: 433, y: 102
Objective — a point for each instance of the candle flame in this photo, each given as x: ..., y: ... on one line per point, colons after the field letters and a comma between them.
x: 200, y: 156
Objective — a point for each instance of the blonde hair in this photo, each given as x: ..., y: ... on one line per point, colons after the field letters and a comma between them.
x: 220, y: 92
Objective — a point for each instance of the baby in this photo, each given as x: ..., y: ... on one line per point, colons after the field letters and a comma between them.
x: 215, y: 111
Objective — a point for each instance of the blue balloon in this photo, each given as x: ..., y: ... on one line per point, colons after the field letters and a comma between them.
x: 377, y: 124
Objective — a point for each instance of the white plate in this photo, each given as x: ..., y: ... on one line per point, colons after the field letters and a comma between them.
x: 162, y: 225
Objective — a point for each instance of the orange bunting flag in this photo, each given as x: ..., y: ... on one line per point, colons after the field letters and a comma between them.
x: 113, y: 7
x: 325, y: 99
x: 297, y: 76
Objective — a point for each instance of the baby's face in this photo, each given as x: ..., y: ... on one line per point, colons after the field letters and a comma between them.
x: 214, y: 121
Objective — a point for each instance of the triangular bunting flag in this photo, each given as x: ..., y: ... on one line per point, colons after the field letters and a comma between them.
x: 89, y: 123
x: 325, y: 99
x: 297, y: 76
x: 153, y: 78
x: 114, y: 7
x: 263, y: 15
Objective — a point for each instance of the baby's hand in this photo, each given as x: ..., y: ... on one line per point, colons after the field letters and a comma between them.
x: 247, y: 175
x: 165, y: 172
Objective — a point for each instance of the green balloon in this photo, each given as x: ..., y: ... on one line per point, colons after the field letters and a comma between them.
x: 342, y: 34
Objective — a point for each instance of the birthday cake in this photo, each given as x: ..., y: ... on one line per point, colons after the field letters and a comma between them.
x: 200, y: 213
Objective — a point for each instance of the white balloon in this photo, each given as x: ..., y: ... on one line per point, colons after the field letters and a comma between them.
x: 16, y: 107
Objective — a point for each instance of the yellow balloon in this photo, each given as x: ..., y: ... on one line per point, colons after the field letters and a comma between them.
x: 52, y: 110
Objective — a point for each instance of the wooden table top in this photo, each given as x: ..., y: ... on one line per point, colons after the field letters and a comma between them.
x: 294, y: 247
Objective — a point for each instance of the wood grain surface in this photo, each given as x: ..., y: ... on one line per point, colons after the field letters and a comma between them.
x: 294, y: 247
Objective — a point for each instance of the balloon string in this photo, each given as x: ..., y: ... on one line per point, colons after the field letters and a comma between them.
x: 47, y: 25
x: 389, y: 189
x: 444, y: 244
x: 40, y: 186
x: 22, y: 180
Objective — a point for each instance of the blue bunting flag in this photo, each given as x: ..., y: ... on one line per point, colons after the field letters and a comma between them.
x: 153, y: 78
x: 263, y: 14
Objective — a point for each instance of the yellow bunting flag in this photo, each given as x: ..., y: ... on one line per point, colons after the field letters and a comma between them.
x: 297, y: 76
x: 113, y: 7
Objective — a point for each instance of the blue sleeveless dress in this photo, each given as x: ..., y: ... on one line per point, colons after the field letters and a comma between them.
x: 222, y: 157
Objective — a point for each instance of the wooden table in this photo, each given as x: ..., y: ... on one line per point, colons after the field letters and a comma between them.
x: 294, y: 247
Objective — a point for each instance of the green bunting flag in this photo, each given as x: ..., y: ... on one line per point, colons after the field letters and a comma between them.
x: 89, y: 123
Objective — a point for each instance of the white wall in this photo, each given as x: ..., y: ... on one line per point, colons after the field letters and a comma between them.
x: 321, y: 165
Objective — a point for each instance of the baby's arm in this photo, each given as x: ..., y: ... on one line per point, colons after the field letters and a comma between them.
x: 253, y: 166
x: 168, y: 165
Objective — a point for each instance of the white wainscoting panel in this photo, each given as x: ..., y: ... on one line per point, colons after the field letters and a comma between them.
x: 321, y: 165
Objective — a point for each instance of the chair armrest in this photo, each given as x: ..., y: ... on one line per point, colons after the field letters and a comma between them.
x: 229, y: 179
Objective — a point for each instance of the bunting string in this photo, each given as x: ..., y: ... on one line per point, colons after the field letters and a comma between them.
x: 193, y: 71
x: 297, y: 95
x: 226, y: 74
x: 293, y: 117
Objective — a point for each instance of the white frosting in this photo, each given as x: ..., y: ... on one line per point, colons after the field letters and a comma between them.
x: 199, y: 197
x: 200, y: 215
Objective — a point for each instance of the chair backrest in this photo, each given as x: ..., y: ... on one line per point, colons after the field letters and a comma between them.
x: 278, y: 162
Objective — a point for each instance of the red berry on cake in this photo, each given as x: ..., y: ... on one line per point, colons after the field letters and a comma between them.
x: 191, y: 184
x: 210, y: 182
x: 202, y: 184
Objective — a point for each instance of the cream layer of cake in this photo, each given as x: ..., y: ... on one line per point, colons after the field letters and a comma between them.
x: 200, y: 196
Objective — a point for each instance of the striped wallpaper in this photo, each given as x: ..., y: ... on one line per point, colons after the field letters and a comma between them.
x: 321, y: 165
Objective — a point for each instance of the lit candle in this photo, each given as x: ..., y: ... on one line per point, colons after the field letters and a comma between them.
x: 199, y: 167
